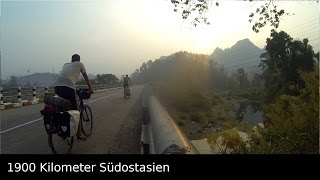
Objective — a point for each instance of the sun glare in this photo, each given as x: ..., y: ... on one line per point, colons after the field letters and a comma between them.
x: 204, y: 42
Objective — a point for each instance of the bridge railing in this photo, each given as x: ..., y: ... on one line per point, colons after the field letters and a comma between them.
x: 160, y: 134
x: 20, y: 94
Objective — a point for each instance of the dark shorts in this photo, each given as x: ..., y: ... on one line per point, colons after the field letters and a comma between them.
x: 67, y: 93
x: 126, y: 86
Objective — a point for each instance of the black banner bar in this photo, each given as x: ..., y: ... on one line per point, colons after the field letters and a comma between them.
x: 159, y: 165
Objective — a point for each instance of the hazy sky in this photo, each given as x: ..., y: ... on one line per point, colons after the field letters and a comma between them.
x: 117, y: 36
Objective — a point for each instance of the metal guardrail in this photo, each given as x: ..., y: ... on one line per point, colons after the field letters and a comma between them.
x: 160, y: 134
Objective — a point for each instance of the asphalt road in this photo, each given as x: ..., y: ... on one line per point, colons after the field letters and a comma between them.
x: 23, y: 132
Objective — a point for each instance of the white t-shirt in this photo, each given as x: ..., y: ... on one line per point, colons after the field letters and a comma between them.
x: 69, y: 74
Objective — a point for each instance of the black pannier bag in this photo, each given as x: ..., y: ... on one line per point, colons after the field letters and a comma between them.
x: 60, y: 103
x: 60, y: 121
x: 48, y: 112
x: 84, y: 94
x: 63, y: 124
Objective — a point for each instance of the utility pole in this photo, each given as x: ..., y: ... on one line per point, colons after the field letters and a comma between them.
x: 0, y: 63
x: 0, y: 70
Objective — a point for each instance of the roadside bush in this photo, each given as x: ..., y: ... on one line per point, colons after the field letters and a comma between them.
x: 196, y: 116
x: 292, y: 122
x: 183, y: 116
x: 201, y: 103
x: 180, y: 123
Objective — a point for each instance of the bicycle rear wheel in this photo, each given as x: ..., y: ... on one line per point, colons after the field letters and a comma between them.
x: 126, y: 94
x: 58, y: 144
x: 86, y: 120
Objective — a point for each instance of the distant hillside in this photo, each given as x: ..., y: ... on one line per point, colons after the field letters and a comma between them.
x: 244, y: 54
x: 38, y: 79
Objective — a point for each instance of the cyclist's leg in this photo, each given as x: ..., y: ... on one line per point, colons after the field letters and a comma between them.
x: 67, y: 93
x: 125, y: 88
x: 128, y: 89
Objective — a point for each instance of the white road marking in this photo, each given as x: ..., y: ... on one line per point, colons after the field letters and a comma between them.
x: 21, y: 125
x: 10, y: 129
x: 102, y: 98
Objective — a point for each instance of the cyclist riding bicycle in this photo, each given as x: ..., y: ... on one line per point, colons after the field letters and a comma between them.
x: 65, y: 85
x: 126, y: 81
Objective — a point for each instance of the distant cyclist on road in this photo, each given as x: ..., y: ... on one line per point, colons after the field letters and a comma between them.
x: 126, y: 82
x: 65, y: 86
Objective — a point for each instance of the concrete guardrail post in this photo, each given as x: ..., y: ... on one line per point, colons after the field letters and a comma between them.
x: 1, y: 95
x: 34, y: 93
x: 19, y: 94
x: 45, y: 90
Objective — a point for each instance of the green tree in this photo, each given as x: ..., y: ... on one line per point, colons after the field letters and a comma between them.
x: 135, y: 76
x: 281, y: 63
x: 241, y: 75
x: 143, y: 72
x: 149, y: 64
x: 267, y: 13
x: 13, y: 81
x: 317, y: 56
x: 218, y: 77
x: 292, y: 122
x: 143, y: 67
x: 257, y: 80
x: 106, y: 79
